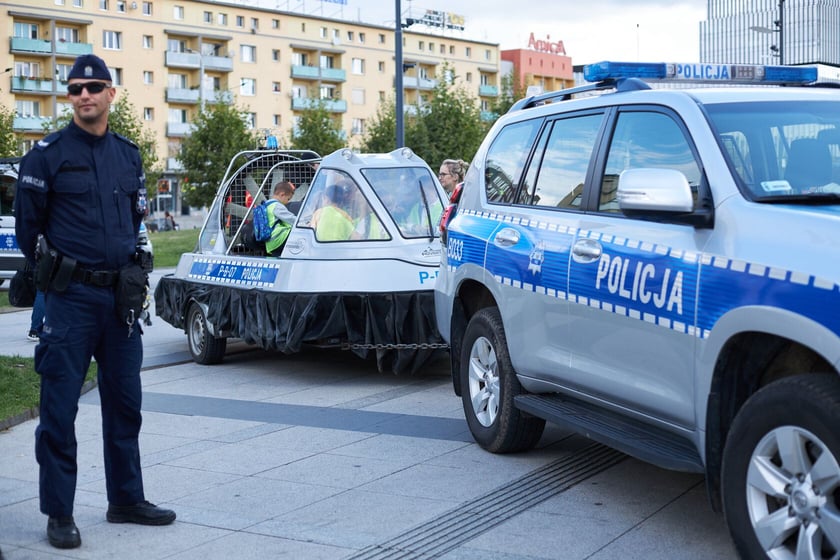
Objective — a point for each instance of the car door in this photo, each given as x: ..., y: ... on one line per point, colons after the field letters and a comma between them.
x: 528, y: 253
x: 633, y: 281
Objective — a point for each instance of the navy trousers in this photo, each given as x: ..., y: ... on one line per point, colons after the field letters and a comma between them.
x: 81, y: 323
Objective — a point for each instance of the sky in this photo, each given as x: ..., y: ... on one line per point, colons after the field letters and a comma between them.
x: 591, y: 30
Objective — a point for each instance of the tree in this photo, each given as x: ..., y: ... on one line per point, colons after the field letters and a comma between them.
x: 219, y: 132
x: 317, y: 130
x: 381, y: 131
x: 510, y: 91
x: 9, y: 141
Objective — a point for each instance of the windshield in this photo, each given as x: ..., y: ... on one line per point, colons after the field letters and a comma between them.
x: 785, y: 151
x: 410, y: 197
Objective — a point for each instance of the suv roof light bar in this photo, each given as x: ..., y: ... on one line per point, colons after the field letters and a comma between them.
x: 702, y: 73
x: 621, y: 84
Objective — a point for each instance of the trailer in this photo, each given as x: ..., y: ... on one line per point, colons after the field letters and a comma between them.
x: 357, y: 270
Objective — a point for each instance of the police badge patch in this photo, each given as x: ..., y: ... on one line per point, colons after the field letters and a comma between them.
x: 142, y: 204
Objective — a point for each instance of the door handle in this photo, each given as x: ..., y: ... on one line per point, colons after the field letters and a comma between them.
x: 586, y: 250
x: 506, y: 237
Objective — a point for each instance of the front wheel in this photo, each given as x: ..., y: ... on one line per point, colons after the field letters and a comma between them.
x: 489, y: 385
x: 204, y: 347
x: 781, y: 477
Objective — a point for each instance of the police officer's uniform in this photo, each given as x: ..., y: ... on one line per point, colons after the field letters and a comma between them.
x: 86, y: 194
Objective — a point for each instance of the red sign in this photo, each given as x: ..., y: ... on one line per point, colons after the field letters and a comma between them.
x: 549, y: 46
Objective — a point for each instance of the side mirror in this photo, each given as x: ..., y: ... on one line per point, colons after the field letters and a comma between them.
x: 654, y: 190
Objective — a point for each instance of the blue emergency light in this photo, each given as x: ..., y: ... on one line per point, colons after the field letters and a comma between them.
x: 701, y: 73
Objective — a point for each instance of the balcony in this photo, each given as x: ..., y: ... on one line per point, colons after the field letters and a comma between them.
x: 176, y: 59
x: 181, y: 95
x: 487, y: 116
x: 73, y: 49
x: 317, y: 73
x: 218, y: 63
x: 412, y: 82
x: 331, y: 105
x: 31, y: 124
x: 172, y: 165
x: 24, y: 45
x: 178, y: 129
x: 22, y: 84
x: 486, y: 90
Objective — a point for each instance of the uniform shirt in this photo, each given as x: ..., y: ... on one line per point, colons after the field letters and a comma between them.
x: 85, y: 193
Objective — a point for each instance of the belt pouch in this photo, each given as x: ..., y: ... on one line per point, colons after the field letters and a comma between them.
x: 64, y: 274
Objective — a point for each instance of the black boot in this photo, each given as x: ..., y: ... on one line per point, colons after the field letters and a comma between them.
x: 63, y: 533
x: 143, y: 513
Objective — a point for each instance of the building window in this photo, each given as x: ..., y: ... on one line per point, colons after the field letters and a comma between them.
x: 358, y: 127
x: 381, y: 66
x: 300, y: 59
x: 442, y: 49
x: 298, y: 92
x: 78, y: 4
x: 116, y: 75
x: 103, y: 4
x: 251, y: 120
x: 275, y: 24
x: 487, y: 54
x: 61, y: 71
x: 275, y: 87
x: 27, y: 70
x: 336, y: 34
x: 451, y: 49
x: 147, y: 8
x: 112, y: 40
x: 468, y: 52
x: 178, y: 12
x: 255, y: 24
x: 361, y: 37
x: 66, y: 35
x: 27, y: 109
x: 221, y: 19
x: 468, y: 77
x: 327, y: 92
x: 381, y: 96
x: 357, y: 96
x: 148, y: 113
x: 275, y: 55
x: 358, y: 66
x: 248, y: 87
x: 148, y: 42
x: 421, y: 45
x: 381, y: 38
x: 148, y: 77
x: 26, y: 30
x: 208, y: 17
x: 277, y: 120
x: 248, y: 53
x: 303, y: 27
x: 327, y: 61
x: 322, y: 33
x: 177, y: 116
x: 349, y: 35
x: 121, y: 6
x: 240, y: 21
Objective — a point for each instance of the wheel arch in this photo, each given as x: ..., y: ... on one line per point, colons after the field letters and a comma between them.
x: 471, y: 297
x: 745, y: 362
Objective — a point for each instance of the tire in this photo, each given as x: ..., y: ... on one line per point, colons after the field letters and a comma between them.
x: 489, y: 385
x: 781, y: 476
x: 204, y: 347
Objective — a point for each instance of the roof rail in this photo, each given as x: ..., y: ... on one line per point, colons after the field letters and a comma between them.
x: 620, y: 84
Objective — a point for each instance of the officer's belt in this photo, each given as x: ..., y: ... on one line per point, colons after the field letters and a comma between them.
x: 100, y: 278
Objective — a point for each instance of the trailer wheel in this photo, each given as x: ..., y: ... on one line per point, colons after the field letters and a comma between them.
x: 204, y: 347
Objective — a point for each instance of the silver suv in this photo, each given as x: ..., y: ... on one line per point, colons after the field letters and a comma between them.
x: 658, y: 269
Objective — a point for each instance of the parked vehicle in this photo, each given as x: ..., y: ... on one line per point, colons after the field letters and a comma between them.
x: 657, y: 269
x: 357, y: 270
x: 11, y: 259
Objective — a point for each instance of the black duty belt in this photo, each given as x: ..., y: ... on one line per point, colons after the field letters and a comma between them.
x: 101, y: 278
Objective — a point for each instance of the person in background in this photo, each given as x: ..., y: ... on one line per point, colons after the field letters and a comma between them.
x: 169, y: 222
x: 36, y: 320
x: 89, y: 182
x: 451, y: 173
x: 280, y: 219
x: 332, y: 222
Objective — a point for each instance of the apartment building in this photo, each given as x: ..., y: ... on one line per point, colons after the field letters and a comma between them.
x: 171, y: 57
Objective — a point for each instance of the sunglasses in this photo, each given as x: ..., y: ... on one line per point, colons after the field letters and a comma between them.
x: 92, y: 87
x: 443, y: 174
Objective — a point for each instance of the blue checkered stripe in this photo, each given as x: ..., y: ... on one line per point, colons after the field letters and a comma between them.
x: 233, y: 272
x: 8, y: 242
x: 684, y: 291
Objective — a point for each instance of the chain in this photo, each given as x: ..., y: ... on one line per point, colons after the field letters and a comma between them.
x: 420, y: 346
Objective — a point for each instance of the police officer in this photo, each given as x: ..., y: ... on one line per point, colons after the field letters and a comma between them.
x: 83, y: 189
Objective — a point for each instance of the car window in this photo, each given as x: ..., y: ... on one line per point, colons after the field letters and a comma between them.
x: 506, y: 159
x: 559, y: 176
x: 338, y: 211
x: 410, y: 197
x: 646, y: 139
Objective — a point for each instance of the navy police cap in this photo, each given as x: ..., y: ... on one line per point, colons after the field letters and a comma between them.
x: 89, y: 66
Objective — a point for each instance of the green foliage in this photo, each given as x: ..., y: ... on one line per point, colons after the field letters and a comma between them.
x: 317, y: 130
x: 511, y: 90
x: 220, y: 132
x: 448, y: 126
x: 9, y: 141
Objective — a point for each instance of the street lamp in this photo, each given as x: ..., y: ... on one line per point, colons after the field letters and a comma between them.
x: 780, y: 29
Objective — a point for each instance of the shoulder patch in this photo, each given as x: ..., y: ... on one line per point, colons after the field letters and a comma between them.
x: 47, y: 140
x: 126, y: 140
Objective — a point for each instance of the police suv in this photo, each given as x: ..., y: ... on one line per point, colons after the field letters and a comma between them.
x: 658, y: 269
x: 11, y: 258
